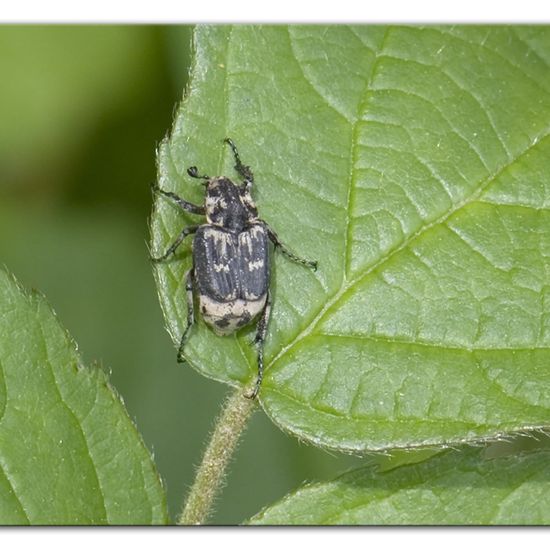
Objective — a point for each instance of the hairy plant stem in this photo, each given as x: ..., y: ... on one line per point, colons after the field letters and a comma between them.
x: 228, y: 428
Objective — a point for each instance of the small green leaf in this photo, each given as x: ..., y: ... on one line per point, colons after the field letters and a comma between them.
x: 69, y: 454
x: 456, y: 488
x: 414, y: 164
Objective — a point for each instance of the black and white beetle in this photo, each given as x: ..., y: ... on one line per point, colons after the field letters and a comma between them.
x: 231, y: 269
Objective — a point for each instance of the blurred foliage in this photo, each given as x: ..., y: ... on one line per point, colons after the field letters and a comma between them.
x: 83, y: 109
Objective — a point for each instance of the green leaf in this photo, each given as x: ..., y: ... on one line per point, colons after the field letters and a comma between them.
x: 69, y: 454
x: 457, y: 488
x: 414, y: 164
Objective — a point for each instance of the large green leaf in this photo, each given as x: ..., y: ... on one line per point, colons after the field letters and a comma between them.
x: 414, y: 164
x: 458, y: 488
x: 69, y: 454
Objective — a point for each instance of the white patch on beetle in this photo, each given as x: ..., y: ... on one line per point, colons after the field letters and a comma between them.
x: 258, y: 264
x: 221, y: 239
x: 221, y: 267
x: 248, y: 202
x: 230, y: 314
x: 250, y: 237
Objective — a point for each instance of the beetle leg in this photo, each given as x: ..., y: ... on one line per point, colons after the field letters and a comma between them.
x: 182, y: 203
x: 244, y: 171
x: 172, y: 248
x: 261, y: 332
x: 190, y: 313
x: 278, y: 244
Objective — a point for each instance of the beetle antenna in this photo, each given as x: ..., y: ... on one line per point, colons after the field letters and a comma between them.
x: 194, y: 173
x: 243, y: 170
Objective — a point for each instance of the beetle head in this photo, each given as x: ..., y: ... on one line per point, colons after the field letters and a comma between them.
x: 228, y: 205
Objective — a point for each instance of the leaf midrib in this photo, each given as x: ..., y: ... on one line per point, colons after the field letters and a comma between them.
x: 361, y: 109
x: 74, y: 417
x: 428, y: 344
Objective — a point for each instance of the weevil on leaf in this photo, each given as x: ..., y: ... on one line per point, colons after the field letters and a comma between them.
x: 231, y: 271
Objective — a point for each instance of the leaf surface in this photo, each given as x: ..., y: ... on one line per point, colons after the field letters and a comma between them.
x: 69, y: 454
x: 413, y: 164
x: 457, y: 488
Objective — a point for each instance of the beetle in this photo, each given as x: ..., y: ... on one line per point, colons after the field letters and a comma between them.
x: 231, y: 263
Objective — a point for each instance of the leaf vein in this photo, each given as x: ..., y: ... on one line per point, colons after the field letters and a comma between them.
x: 353, y: 148
x: 428, y: 344
x: 471, y: 246
x: 530, y: 48
x: 317, y: 92
x: 504, y: 59
x: 57, y: 389
x: 12, y: 487
x: 451, y: 126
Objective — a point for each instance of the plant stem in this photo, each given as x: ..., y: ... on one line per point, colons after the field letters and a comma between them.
x: 229, y: 426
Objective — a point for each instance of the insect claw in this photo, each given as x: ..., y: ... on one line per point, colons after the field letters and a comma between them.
x: 252, y: 394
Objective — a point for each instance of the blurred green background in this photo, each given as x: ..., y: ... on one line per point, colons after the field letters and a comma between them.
x: 82, y: 109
